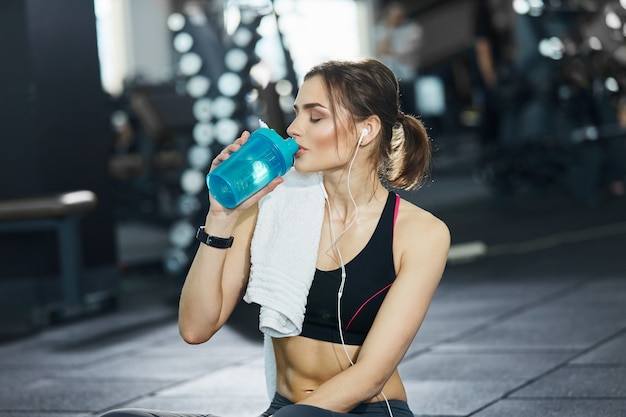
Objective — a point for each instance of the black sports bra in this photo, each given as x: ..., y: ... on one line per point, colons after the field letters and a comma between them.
x: 368, y: 278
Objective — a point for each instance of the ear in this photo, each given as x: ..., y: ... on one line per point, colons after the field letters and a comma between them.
x: 369, y: 128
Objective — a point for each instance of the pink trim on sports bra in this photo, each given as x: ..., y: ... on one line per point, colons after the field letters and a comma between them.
x: 365, y: 303
x: 395, y: 215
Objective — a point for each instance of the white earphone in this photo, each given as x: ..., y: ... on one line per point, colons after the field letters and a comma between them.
x: 364, y: 132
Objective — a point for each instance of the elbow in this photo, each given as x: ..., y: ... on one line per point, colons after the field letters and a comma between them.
x: 194, y: 336
x: 194, y: 328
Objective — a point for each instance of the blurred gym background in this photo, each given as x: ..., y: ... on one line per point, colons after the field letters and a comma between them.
x: 129, y: 100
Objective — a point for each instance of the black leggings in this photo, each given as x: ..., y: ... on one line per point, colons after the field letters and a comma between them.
x: 140, y: 412
x: 282, y: 407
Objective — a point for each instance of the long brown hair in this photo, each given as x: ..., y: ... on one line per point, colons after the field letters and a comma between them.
x: 366, y: 88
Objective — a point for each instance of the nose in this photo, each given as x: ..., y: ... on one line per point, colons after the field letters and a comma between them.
x: 293, y: 130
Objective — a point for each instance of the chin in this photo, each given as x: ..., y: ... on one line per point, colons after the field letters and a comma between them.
x: 300, y: 167
x: 305, y: 166
x: 309, y: 163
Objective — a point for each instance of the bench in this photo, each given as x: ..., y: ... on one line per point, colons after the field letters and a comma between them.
x: 60, y: 212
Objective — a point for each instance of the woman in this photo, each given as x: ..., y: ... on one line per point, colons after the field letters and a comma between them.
x: 379, y: 258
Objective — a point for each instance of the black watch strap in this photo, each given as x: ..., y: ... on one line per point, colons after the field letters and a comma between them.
x: 213, y: 241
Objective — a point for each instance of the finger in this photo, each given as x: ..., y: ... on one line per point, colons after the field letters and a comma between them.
x: 227, y: 151
x: 219, y: 158
x: 234, y: 147
x: 243, y: 138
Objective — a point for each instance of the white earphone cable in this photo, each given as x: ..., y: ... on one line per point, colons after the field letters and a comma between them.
x: 343, y: 266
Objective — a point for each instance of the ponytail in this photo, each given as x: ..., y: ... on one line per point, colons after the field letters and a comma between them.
x: 407, y: 164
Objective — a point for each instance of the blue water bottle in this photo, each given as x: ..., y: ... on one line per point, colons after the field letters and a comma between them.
x: 265, y: 156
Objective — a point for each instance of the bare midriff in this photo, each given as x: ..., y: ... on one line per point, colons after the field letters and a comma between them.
x: 303, y: 364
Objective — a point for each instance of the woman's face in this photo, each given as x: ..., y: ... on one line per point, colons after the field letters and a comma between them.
x: 321, y: 146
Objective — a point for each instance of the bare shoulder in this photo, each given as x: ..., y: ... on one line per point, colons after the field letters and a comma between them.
x: 416, y: 221
x: 418, y: 230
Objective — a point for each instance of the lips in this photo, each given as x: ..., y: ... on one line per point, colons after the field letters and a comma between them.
x: 301, y: 150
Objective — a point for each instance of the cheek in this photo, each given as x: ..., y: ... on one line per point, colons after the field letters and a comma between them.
x: 326, y: 143
x: 321, y: 140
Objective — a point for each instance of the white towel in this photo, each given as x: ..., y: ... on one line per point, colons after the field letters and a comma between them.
x: 283, y: 255
x: 284, y: 252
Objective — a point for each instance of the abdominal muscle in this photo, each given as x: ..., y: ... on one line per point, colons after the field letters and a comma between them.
x: 303, y: 364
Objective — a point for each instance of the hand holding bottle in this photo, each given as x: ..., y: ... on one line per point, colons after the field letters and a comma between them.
x: 251, y: 166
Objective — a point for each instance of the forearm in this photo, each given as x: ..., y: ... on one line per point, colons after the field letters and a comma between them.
x: 211, y: 290
x: 348, y: 389
x: 485, y: 62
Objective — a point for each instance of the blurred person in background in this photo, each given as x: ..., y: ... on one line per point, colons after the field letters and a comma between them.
x: 492, y: 59
x: 398, y: 40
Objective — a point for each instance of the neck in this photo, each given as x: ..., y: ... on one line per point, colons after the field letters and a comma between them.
x: 364, y: 187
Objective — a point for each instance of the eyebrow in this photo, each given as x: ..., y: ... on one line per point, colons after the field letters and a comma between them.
x: 310, y: 106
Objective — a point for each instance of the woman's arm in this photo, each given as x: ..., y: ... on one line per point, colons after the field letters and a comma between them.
x: 218, y: 277
x: 422, y: 242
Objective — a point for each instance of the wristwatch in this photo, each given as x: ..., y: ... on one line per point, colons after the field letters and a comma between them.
x: 213, y: 241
